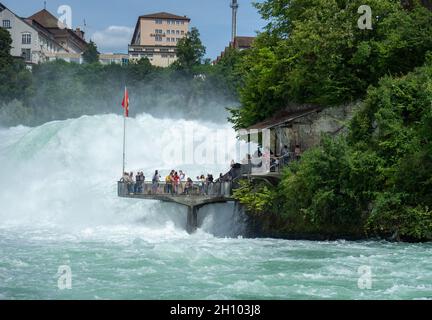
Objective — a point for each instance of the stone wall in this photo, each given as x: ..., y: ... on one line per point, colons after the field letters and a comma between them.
x: 307, y: 131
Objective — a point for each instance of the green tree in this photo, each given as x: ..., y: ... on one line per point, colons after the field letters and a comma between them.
x: 15, y: 80
x: 5, y: 47
x: 312, y: 51
x: 190, y: 50
x: 91, y: 54
x: 378, y: 178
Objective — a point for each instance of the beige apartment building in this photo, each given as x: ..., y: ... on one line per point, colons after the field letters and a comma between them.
x: 156, y: 37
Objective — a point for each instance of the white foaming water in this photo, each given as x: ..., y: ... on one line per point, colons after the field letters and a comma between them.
x: 63, y: 174
x: 58, y: 206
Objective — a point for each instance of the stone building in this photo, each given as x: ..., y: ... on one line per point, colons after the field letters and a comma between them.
x: 297, y: 126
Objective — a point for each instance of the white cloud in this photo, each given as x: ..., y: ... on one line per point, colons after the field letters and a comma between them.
x: 113, y: 39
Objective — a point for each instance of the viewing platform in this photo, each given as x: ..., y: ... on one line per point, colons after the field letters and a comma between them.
x: 198, y: 194
x: 194, y: 198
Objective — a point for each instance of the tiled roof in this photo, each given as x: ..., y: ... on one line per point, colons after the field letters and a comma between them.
x: 285, y: 116
x: 164, y: 15
x: 243, y: 42
x: 45, y: 18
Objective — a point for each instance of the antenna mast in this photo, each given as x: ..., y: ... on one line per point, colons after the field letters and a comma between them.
x: 234, y: 6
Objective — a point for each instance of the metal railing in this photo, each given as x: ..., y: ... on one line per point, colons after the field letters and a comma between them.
x: 196, y: 188
x: 273, y: 164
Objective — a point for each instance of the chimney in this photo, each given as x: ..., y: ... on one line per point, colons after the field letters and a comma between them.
x: 79, y: 33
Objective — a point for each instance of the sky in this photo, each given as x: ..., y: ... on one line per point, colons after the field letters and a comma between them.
x: 111, y: 23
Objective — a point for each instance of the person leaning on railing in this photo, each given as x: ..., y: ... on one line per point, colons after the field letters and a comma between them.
x: 126, y: 179
x: 155, y: 182
x: 188, y: 186
x: 140, y: 178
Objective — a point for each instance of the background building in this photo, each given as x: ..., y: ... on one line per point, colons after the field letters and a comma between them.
x: 156, y: 37
x: 239, y: 43
x: 71, y: 40
x: 30, y: 40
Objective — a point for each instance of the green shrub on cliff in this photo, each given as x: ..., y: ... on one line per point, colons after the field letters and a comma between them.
x: 258, y: 198
x: 378, y: 178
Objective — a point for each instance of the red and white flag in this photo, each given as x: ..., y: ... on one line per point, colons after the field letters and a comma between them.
x: 125, y: 103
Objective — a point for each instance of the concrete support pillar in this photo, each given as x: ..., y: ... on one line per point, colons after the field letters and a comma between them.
x: 192, y: 219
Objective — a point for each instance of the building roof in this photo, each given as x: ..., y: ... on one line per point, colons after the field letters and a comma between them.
x: 46, y: 19
x: 284, y: 117
x: 43, y: 31
x: 158, y: 15
x: 34, y: 24
x: 243, y: 42
x: 164, y: 15
x: 240, y: 43
x: 68, y: 33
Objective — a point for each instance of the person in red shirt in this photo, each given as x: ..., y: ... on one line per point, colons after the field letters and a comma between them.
x: 176, y: 182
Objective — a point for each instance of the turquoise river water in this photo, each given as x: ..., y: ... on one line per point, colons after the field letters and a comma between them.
x: 59, y: 209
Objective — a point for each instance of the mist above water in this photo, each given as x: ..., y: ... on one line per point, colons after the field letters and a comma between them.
x: 63, y: 174
x: 58, y: 206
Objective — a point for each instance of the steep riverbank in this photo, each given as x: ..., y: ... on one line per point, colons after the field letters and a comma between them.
x: 375, y: 178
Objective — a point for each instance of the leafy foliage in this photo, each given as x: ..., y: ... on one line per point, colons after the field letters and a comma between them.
x: 91, y: 54
x: 190, y: 50
x: 313, y: 52
x: 60, y: 90
x: 378, y: 178
x: 257, y: 197
x: 14, y: 78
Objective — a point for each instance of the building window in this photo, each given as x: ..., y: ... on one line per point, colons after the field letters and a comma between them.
x: 182, y: 22
x: 178, y: 32
x: 158, y: 21
x: 168, y: 31
x: 172, y: 39
x: 158, y: 31
x: 26, y: 38
x: 158, y: 38
x: 168, y: 39
x: 182, y: 33
x: 6, y: 24
x: 26, y: 54
x: 177, y: 22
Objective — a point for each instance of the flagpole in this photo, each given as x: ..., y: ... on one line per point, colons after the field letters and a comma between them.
x: 124, y: 135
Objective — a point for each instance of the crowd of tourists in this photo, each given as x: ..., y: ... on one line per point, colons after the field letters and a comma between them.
x: 177, y: 183
x: 174, y: 183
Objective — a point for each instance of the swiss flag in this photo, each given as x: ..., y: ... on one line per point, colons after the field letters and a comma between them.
x: 125, y: 102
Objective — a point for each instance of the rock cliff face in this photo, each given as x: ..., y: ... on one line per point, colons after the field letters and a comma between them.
x: 331, y: 121
x: 306, y: 131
